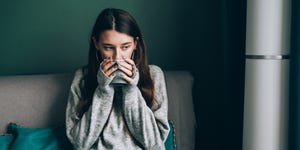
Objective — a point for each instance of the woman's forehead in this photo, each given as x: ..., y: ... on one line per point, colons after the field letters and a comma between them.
x: 115, y: 38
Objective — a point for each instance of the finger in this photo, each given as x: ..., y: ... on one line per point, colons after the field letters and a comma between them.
x: 108, y: 65
x: 103, y: 62
x: 111, y: 76
x: 126, y: 71
x: 128, y: 79
x: 106, y: 60
x: 129, y: 61
x: 111, y: 71
x: 126, y: 65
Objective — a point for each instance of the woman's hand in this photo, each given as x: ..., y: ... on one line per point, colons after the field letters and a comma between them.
x: 108, y: 67
x: 129, y: 68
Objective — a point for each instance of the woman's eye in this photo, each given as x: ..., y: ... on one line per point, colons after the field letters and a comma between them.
x: 108, y: 48
x: 126, y: 47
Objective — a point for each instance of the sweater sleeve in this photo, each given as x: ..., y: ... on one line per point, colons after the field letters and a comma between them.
x: 149, y: 126
x: 84, y: 132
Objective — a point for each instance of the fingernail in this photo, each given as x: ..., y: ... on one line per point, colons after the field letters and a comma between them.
x: 124, y: 57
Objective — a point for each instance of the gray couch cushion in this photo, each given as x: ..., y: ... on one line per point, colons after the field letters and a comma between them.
x: 40, y: 101
x: 34, y: 100
x: 181, y: 111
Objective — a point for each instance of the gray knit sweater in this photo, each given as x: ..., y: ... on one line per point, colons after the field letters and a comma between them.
x: 128, y: 124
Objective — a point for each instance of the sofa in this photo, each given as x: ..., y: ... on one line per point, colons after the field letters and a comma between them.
x: 39, y: 100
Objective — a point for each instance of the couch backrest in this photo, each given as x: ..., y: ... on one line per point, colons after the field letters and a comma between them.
x: 40, y: 101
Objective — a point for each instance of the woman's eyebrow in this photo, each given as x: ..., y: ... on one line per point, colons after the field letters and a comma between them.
x: 126, y: 43
x: 106, y: 44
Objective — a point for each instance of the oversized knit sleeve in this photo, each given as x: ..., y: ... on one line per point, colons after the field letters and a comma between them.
x: 84, y: 132
x: 149, y: 126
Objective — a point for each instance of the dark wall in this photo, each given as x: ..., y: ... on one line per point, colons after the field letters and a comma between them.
x: 203, y: 37
x: 205, y: 59
x: 294, y: 103
x: 47, y: 37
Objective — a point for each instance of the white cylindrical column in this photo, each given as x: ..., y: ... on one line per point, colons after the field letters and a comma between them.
x: 265, y: 111
x: 268, y: 27
x: 266, y: 75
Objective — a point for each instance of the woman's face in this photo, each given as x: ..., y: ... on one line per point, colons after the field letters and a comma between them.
x: 115, y: 44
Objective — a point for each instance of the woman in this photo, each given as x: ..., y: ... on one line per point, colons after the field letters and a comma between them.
x: 103, y: 115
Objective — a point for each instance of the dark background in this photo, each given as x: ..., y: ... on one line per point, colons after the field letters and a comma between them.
x: 204, y: 37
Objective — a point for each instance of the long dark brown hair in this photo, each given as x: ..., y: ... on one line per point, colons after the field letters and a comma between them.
x: 121, y: 21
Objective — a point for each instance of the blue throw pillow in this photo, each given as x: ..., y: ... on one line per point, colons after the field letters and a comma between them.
x: 170, y: 143
x: 38, y: 138
x: 55, y: 138
x: 5, y: 141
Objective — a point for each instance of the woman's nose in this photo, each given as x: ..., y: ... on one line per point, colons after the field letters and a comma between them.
x: 117, y: 54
